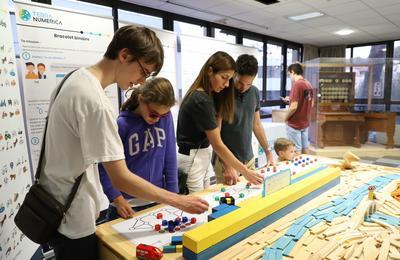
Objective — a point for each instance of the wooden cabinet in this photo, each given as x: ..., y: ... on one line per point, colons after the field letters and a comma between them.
x: 379, y: 122
x: 336, y: 129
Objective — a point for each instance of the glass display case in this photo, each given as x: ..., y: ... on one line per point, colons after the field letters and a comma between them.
x: 349, y: 99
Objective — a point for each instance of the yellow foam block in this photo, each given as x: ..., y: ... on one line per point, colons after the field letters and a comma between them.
x: 310, y: 169
x: 211, y: 233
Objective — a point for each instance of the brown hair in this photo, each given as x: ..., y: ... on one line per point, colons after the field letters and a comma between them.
x: 141, y: 43
x: 224, y: 100
x: 282, y: 144
x: 156, y: 91
x: 296, y: 68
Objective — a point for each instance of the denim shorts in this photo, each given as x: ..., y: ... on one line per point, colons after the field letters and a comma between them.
x: 298, y: 137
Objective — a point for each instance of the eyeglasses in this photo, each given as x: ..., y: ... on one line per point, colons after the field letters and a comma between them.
x: 154, y: 114
x: 145, y: 73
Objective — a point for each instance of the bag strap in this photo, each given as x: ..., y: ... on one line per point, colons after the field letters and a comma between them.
x: 38, y: 169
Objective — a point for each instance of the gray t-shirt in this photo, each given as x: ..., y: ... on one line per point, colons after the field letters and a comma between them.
x: 237, y: 136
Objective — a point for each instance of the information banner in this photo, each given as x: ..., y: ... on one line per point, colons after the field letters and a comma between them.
x: 15, y: 174
x: 54, y: 42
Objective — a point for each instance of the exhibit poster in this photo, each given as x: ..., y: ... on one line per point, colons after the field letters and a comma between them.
x: 15, y: 174
x: 54, y: 42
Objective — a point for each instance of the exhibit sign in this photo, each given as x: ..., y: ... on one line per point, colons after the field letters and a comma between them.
x: 54, y: 42
x: 15, y: 175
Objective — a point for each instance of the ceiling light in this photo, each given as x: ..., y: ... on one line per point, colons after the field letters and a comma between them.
x: 344, y: 32
x: 305, y: 16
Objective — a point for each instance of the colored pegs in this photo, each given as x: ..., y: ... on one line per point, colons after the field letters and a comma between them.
x: 223, y: 189
x: 185, y: 219
x: 241, y: 195
x: 227, y: 194
x: 157, y: 227
x: 159, y: 216
x: 193, y: 220
x: 164, y: 222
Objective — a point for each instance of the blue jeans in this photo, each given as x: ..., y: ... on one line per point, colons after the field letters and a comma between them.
x: 298, y: 137
x: 113, y: 214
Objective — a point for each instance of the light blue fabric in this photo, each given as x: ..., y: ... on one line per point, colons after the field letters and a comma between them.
x: 298, y: 137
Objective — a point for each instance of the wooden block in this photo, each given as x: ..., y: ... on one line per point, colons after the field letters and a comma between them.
x: 316, y: 245
x: 327, y: 249
x: 319, y: 228
x: 370, y: 224
x: 349, y: 252
x: 395, y: 242
x: 254, y: 238
x: 358, y: 250
x: 335, y: 230
x: 263, y: 239
x: 303, y: 254
x: 338, y: 253
x: 282, y: 227
x: 369, y: 249
x: 384, y: 250
x: 249, y: 251
x: 256, y: 255
x: 309, y: 240
x: 393, y: 252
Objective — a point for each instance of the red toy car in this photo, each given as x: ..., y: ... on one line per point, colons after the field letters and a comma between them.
x: 148, y: 252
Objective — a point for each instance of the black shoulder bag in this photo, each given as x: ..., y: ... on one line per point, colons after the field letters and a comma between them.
x: 40, y: 214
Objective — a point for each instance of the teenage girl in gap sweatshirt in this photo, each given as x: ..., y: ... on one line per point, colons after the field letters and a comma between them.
x: 146, y: 129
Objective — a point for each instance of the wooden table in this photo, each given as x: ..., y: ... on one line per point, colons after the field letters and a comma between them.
x: 114, y: 246
x: 337, y: 129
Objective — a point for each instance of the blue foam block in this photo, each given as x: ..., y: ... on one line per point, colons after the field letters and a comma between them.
x: 219, y: 207
x: 176, y: 240
x: 222, y: 212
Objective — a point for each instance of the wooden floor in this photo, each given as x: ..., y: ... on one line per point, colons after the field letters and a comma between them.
x: 372, y: 150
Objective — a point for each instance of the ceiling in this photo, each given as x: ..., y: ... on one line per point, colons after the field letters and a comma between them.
x: 372, y: 20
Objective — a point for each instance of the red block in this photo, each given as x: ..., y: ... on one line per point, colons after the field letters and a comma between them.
x: 157, y: 227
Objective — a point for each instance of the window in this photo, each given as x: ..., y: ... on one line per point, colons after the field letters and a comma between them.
x: 362, y: 72
x: 348, y: 56
x: 292, y: 56
x: 189, y: 29
x: 274, y: 71
x: 84, y: 7
x: 225, y: 35
x: 259, y: 45
x: 396, y: 72
x: 348, y: 53
x: 143, y: 19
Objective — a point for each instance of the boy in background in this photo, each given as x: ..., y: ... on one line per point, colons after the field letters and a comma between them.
x: 285, y: 149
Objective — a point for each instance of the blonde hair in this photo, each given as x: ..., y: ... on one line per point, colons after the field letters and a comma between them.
x: 224, y: 100
x: 156, y: 91
x: 282, y: 144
